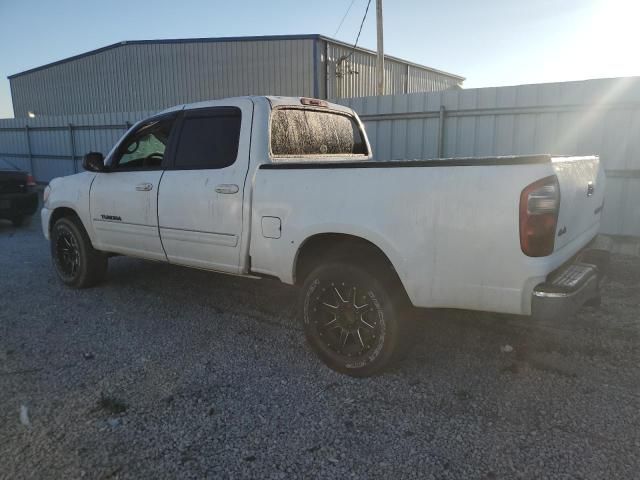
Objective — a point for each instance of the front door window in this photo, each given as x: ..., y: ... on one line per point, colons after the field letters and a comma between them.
x: 144, y: 149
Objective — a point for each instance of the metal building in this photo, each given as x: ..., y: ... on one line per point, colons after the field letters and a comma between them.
x: 155, y: 74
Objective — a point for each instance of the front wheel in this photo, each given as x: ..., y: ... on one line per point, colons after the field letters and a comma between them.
x: 76, y: 262
x: 352, y: 319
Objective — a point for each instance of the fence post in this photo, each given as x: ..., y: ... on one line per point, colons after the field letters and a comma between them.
x: 26, y: 131
x: 72, y: 147
x: 441, y: 132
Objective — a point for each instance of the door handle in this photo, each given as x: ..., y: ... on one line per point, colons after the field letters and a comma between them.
x: 227, y: 188
x: 144, y: 187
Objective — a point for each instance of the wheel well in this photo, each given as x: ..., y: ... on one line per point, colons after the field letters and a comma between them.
x: 341, y: 247
x: 62, y: 212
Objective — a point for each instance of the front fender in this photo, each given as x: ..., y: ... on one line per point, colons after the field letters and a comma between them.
x: 72, y: 192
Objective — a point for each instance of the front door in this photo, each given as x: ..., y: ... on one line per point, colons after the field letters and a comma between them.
x: 124, y: 199
x: 201, y: 194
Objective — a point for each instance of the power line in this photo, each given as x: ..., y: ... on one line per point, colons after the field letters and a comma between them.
x: 360, y: 31
x: 344, y: 17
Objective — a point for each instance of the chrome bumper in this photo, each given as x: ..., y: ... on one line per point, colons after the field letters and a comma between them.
x: 567, y: 289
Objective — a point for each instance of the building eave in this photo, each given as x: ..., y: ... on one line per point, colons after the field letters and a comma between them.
x: 222, y: 40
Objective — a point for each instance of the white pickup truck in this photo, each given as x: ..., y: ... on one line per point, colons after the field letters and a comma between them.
x: 286, y: 188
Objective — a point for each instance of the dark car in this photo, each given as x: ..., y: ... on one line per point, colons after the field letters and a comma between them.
x: 18, y: 196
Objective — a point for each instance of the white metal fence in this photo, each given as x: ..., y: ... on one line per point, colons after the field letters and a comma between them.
x: 51, y: 147
x: 579, y: 118
x: 591, y: 117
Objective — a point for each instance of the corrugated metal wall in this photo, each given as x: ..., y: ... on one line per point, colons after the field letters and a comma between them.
x: 353, y: 74
x: 143, y: 76
x: 576, y: 118
x: 154, y: 75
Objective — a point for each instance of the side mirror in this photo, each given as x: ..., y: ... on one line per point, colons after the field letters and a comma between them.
x: 93, y: 162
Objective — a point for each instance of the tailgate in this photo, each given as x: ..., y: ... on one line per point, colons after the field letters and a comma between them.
x: 581, y: 182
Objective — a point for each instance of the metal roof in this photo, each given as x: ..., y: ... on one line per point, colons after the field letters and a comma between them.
x: 225, y: 39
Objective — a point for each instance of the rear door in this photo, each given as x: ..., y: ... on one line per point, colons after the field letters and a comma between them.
x: 201, y: 194
x: 581, y: 182
x: 123, y: 200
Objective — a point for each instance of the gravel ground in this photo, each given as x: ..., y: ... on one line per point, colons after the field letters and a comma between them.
x: 166, y: 372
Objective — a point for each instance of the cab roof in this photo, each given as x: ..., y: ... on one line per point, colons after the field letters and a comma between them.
x: 273, y: 101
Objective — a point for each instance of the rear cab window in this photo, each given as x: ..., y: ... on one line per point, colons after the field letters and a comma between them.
x: 301, y: 132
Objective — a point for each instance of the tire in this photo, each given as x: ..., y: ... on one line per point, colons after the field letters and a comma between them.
x: 19, y: 221
x: 353, y: 320
x: 76, y: 262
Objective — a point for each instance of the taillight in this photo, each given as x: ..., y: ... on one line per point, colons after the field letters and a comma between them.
x: 30, y: 181
x: 539, y: 206
x: 313, y: 101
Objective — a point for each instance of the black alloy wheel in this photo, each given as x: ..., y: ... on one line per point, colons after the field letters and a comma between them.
x: 67, y: 256
x: 346, y: 318
x: 76, y: 262
x: 351, y: 319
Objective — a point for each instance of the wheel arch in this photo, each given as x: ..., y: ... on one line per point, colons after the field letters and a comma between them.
x: 332, y: 246
x: 63, y: 212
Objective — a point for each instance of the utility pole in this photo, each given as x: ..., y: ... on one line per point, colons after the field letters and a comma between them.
x: 380, y: 62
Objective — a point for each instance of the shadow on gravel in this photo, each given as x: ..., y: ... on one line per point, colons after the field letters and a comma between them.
x: 485, y: 334
x: 111, y: 405
x: 271, y: 302
x: 219, y: 292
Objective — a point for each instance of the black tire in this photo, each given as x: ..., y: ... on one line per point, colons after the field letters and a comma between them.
x: 370, y: 310
x: 76, y: 262
x: 19, y: 221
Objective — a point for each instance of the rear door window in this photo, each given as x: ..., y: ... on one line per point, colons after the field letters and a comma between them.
x: 208, y: 139
x: 299, y: 132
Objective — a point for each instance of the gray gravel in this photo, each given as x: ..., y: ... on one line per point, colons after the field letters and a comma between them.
x: 166, y: 372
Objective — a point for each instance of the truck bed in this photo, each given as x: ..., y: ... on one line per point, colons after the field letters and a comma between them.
x: 451, y: 233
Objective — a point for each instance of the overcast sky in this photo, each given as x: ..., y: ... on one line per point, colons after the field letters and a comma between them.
x: 491, y: 42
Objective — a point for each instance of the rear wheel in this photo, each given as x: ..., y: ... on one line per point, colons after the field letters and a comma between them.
x: 77, y: 263
x: 353, y: 319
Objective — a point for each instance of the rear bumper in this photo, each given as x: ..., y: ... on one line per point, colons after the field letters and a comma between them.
x: 567, y: 289
x: 18, y: 204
